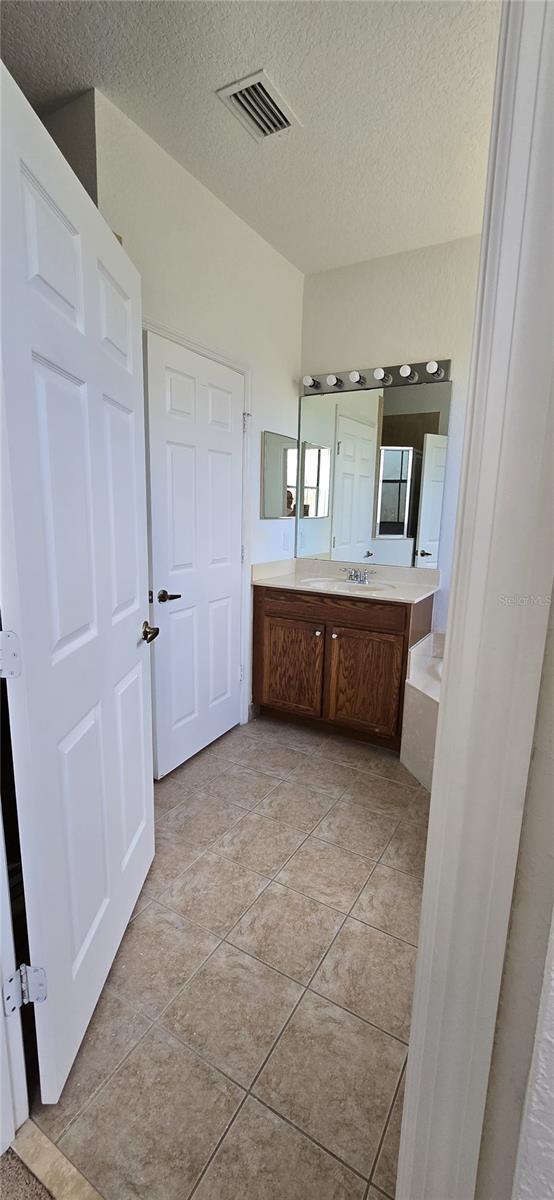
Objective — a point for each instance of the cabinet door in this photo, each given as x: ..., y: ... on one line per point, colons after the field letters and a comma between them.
x: 293, y: 665
x: 365, y: 679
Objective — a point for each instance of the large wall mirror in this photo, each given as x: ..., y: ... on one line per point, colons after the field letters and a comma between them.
x: 371, y: 469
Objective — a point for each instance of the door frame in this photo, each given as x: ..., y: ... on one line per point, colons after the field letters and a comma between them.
x: 172, y: 335
x: 504, y: 565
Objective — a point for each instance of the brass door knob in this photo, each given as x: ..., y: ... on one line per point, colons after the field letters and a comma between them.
x: 149, y: 632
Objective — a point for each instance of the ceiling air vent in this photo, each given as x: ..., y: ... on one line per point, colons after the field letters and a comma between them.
x: 258, y: 106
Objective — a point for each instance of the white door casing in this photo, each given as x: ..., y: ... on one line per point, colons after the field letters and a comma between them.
x: 195, y: 408
x: 74, y: 576
x: 353, y: 490
x: 433, y: 470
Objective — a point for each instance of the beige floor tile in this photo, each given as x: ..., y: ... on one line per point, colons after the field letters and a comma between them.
x: 170, y: 860
x: 114, y: 1030
x: 357, y: 828
x: 270, y: 758
x: 264, y: 1158
x: 325, y: 776
x: 159, y: 952
x: 287, y: 931
x: 214, y: 892
x: 169, y: 793
x: 350, y: 752
x: 200, y: 820
x: 407, y: 848
x: 326, y: 873
x: 150, y: 1132
x: 382, y: 795
x: 373, y: 1194
x: 240, y: 786
x: 232, y: 1011
x: 372, y: 975
x: 298, y: 737
x: 334, y: 1077
x: 386, y: 763
x: 142, y: 903
x: 204, y: 766
x: 259, y: 843
x: 296, y: 805
x: 391, y: 901
x: 384, y: 1174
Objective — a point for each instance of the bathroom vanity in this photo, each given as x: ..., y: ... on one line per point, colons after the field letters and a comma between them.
x: 336, y: 652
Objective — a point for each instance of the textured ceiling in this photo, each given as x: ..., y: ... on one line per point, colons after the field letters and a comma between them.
x: 393, y: 96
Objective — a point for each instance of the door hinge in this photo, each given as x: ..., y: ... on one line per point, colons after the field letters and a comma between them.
x: 241, y: 673
x: 245, y: 417
x: 339, y: 444
x: 242, y: 554
x: 27, y: 985
x: 334, y: 542
x: 10, y: 656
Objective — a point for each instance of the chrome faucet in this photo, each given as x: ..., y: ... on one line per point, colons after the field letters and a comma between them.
x: 356, y: 576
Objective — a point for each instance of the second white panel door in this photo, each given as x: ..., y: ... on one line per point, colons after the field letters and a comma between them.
x: 195, y: 408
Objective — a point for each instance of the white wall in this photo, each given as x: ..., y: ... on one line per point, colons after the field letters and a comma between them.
x: 208, y: 276
x: 411, y: 306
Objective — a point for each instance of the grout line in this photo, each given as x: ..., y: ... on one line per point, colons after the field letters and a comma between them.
x: 102, y: 1085
x: 216, y: 1147
x: 311, y: 1138
x: 387, y: 1122
x: 378, y: 929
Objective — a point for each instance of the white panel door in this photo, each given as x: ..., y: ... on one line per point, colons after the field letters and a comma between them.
x: 433, y: 469
x: 195, y: 411
x: 354, y: 488
x: 74, y: 575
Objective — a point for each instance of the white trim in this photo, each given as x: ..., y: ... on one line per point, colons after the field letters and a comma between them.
x: 246, y: 584
x: 494, y: 650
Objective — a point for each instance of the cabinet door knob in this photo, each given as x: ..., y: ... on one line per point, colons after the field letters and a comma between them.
x: 334, y: 636
x: 318, y: 633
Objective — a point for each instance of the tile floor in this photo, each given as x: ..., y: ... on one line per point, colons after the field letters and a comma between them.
x: 251, y: 1040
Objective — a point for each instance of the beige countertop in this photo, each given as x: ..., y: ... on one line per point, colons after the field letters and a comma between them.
x: 396, y: 585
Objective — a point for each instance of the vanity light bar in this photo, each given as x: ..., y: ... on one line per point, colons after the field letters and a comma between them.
x: 403, y: 375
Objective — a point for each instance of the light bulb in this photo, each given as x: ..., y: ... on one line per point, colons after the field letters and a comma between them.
x: 355, y: 377
x: 407, y: 373
x: 381, y: 375
x: 433, y: 368
x: 334, y: 381
x: 310, y: 382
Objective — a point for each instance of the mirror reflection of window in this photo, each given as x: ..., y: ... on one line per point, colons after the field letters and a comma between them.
x: 291, y: 468
x: 279, y: 471
x: 316, y: 480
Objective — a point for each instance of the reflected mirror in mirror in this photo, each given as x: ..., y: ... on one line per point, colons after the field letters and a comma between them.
x: 371, y: 474
x: 279, y: 475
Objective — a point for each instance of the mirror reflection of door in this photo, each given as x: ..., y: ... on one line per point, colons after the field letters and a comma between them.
x: 430, y: 505
x: 354, y: 490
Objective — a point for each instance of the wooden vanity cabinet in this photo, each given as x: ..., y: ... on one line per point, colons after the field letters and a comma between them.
x: 337, y: 660
x: 364, y: 679
x: 293, y: 653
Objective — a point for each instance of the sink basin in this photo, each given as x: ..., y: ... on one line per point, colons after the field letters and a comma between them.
x: 319, y: 579
x: 332, y: 584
